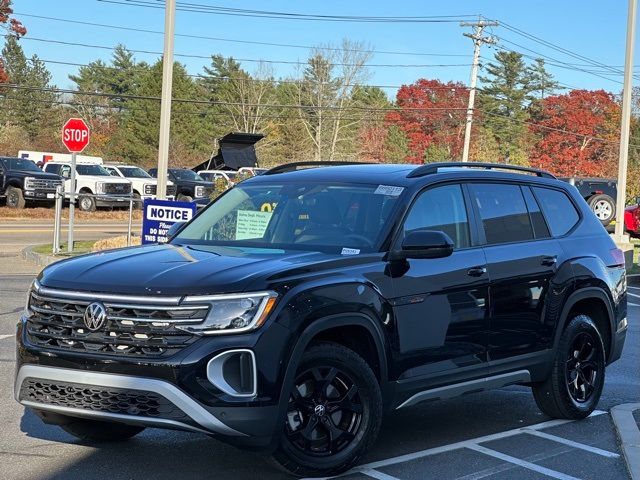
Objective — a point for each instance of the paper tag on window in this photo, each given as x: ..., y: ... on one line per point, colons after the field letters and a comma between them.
x: 350, y: 251
x: 390, y: 190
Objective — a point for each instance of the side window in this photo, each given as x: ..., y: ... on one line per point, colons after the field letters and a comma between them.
x: 540, y: 228
x: 503, y: 212
x: 559, y: 211
x: 441, y: 208
x: 52, y: 168
x: 65, y: 171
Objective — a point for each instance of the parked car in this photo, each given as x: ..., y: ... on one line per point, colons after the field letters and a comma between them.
x: 229, y: 176
x: 600, y: 195
x: 144, y: 185
x: 21, y: 181
x: 632, y: 219
x: 189, y: 185
x: 94, y: 185
x: 362, y: 289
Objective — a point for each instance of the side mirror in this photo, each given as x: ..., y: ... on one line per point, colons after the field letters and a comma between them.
x: 425, y: 244
x: 173, y: 229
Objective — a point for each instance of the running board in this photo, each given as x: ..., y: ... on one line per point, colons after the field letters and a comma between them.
x: 472, y: 386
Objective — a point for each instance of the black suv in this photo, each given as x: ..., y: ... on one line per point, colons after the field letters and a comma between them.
x: 290, y: 313
x: 21, y: 181
x: 189, y: 185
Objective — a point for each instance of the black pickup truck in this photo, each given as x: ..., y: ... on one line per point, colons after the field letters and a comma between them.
x: 21, y: 181
x: 189, y: 185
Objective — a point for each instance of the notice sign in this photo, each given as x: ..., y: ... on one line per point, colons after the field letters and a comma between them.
x: 159, y: 215
x: 251, y: 224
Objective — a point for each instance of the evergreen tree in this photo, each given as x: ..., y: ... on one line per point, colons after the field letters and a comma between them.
x: 30, y: 108
x: 541, y: 82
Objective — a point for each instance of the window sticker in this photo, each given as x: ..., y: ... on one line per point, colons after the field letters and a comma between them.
x: 350, y: 251
x: 251, y: 224
x: 390, y: 190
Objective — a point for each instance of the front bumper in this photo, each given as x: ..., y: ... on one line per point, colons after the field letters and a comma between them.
x: 153, y: 197
x: 111, y: 200
x: 40, y: 195
x: 166, y: 393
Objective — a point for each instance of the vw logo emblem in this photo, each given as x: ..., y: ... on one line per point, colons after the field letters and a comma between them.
x: 95, y: 316
x: 319, y: 410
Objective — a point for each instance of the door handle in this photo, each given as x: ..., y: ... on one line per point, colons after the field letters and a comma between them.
x: 549, y: 261
x: 477, y: 271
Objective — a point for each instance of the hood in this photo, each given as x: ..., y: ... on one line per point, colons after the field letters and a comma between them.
x: 188, y: 270
x: 31, y: 173
x: 103, y: 178
x: 193, y: 183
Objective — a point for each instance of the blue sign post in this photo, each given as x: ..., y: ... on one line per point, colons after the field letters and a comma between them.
x: 159, y: 215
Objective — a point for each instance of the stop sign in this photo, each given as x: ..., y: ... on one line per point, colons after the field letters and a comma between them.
x: 75, y: 135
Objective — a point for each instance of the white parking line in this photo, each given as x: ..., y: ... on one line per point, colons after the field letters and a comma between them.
x: 370, y: 472
x: 571, y: 443
x: 2, y: 337
x: 633, y: 295
x: 522, y: 463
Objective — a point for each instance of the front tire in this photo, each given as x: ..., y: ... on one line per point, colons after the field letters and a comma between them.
x: 334, y: 413
x: 575, y: 384
x: 15, y: 198
x: 94, y: 431
x: 184, y: 198
x: 86, y: 203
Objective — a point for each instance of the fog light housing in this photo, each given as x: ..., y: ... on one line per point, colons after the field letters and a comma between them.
x: 234, y: 373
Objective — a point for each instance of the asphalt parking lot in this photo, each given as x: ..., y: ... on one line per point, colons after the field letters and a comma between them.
x: 493, y: 435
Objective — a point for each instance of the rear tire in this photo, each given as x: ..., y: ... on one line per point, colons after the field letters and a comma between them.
x: 604, y: 208
x: 575, y: 384
x: 15, y: 198
x: 94, y: 431
x: 334, y: 413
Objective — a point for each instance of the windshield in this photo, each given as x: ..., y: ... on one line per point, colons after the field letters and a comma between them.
x: 21, y: 164
x: 134, y: 172
x: 186, y: 175
x: 91, y: 169
x: 346, y: 219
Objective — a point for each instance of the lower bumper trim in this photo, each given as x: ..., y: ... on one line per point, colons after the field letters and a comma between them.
x: 197, y: 413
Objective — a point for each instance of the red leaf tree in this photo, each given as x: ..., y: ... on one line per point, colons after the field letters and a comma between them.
x: 594, y: 116
x: 431, y: 113
x: 15, y: 27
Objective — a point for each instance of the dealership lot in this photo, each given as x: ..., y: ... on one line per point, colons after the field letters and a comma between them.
x: 495, y: 435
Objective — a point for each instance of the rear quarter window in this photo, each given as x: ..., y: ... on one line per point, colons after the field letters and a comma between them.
x: 558, y: 209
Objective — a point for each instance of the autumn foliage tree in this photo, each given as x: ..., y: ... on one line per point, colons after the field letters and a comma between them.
x: 14, y: 27
x: 431, y: 114
x: 593, y: 118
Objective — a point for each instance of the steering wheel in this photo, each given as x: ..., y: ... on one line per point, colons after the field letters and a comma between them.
x: 360, y: 238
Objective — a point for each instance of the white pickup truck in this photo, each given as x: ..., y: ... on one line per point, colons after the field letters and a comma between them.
x: 144, y: 185
x: 94, y: 185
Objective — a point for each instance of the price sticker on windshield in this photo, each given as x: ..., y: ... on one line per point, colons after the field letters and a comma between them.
x: 389, y: 190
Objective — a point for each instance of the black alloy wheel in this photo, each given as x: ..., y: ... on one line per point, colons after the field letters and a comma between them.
x: 582, y: 367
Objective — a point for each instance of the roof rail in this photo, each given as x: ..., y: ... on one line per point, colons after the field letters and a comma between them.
x: 434, y: 167
x: 291, y: 167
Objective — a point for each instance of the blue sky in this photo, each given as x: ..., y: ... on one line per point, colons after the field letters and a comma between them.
x: 595, y: 29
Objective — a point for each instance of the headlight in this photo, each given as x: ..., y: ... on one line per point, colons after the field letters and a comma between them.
x: 199, y: 191
x: 100, y: 187
x: 148, y: 189
x: 235, y: 313
x: 28, y: 183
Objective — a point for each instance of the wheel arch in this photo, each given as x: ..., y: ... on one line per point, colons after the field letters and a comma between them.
x: 594, y: 302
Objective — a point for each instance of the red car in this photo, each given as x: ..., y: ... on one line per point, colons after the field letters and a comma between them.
x: 632, y: 220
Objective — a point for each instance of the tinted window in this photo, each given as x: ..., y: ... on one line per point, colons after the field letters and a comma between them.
x: 503, y: 212
x: 559, y: 211
x: 537, y: 220
x: 52, y: 168
x: 441, y: 208
x: 21, y: 164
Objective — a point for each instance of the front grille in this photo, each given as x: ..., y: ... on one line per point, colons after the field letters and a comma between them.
x: 129, y: 330
x: 171, y: 190
x: 100, y: 399
x: 42, y: 183
x: 115, y: 188
x: 151, y: 189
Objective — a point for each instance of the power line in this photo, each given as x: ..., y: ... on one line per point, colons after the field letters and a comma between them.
x: 249, y: 42
x: 216, y: 10
x: 208, y: 57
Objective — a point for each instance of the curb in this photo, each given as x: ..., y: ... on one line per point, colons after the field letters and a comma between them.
x: 39, y: 259
x: 629, y: 435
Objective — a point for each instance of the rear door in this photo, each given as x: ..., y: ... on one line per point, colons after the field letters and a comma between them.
x: 522, y: 260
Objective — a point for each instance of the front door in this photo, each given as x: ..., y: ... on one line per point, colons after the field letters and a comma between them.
x: 440, y: 304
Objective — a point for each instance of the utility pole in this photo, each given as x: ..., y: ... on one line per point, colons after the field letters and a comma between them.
x: 478, y: 40
x: 165, y: 103
x: 621, y: 200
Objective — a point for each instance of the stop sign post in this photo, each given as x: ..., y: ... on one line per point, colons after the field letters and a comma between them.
x: 75, y: 136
